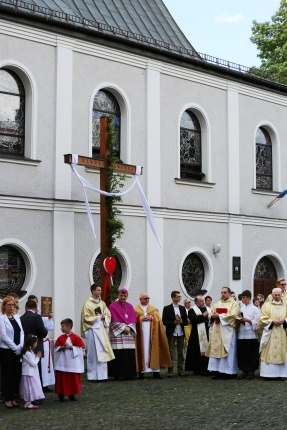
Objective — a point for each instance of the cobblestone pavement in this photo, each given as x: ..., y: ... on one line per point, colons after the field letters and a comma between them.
x: 193, y: 402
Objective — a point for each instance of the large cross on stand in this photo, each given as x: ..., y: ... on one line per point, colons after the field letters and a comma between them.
x: 103, y: 165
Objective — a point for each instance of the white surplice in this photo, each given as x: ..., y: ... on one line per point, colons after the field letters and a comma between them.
x: 69, y: 360
x: 47, y: 367
x: 96, y: 370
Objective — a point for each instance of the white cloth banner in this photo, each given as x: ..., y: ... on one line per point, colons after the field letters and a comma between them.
x: 86, y: 184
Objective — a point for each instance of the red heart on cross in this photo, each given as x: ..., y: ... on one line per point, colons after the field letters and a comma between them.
x: 110, y: 265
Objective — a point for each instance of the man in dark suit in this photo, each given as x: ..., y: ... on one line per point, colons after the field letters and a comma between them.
x: 174, y: 318
x: 32, y: 323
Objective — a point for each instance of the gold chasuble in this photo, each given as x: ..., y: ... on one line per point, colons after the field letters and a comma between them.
x: 273, y: 345
x: 221, y: 334
x: 158, y: 348
x: 88, y: 319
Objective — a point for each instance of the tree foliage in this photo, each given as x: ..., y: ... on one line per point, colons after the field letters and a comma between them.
x: 271, y: 41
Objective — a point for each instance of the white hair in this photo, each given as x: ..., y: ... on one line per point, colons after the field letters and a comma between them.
x: 276, y: 290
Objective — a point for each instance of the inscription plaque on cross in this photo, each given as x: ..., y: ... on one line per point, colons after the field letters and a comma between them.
x: 102, y: 164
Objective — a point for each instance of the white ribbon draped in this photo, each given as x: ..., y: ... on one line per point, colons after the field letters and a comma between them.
x: 87, y: 185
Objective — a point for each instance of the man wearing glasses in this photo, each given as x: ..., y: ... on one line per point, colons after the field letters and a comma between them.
x: 280, y: 283
x: 151, y: 344
x: 174, y: 318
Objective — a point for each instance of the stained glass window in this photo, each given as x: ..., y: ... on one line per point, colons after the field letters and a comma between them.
x: 190, y: 147
x: 12, y: 113
x: 117, y: 275
x: 193, y: 275
x: 105, y: 104
x: 12, y: 270
x: 265, y: 269
x: 263, y: 160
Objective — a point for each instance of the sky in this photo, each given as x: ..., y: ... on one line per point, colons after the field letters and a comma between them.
x: 222, y: 28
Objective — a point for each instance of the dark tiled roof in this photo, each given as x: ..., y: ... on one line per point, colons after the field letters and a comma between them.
x: 147, y: 22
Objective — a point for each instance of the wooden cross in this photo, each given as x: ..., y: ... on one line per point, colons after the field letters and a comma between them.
x: 103, y: 165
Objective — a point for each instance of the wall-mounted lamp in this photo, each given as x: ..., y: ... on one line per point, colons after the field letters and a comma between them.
x: 216, y: 249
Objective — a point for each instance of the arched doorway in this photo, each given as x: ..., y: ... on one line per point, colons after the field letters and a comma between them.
x: 265, y: 276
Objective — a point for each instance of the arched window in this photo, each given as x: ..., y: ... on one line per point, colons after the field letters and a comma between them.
x: 190, y: 147
x: 263, y: 160
x: 193, y: 275
x: 105, y: 104
x: 12, y: 113
x: 12, y: 270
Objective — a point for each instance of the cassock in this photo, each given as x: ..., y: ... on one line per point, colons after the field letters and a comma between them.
x: 273, y: 345
x: 247, y: 340
x: 69, y: 364
x: 95, y: 330
x: 123, y: 345
x: 221, y: 348
x: 152, y: 351
x: 196, y: 360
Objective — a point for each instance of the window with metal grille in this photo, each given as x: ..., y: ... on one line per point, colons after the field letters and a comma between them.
x: 12, y: 113
x: 105, y: 104
x: 263, y: 160
x: 190, y: 147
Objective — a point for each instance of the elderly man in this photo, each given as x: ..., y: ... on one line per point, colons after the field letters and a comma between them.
x: 152, y: 350
x: 280, y: 283
x: 122, y: 337
x: 247, y: 339
x: 95, y: 321
x: 174, y: 318
x: 196, y: 360
x: 273, y: 345
x: 221, y: 349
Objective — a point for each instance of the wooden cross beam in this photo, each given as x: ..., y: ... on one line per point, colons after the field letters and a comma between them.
x: 103, y: 165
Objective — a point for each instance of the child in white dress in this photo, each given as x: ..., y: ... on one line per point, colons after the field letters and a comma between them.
x: 30, y: 386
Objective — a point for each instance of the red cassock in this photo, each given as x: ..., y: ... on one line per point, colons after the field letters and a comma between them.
x: 68, y: 382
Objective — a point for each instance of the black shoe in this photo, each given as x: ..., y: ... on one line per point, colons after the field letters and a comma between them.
x: 206, y: 373
x: 250, y: 376
x: 141, y: 375
x: 242, y: 376
x: 227, y: 376
x: 72, y: 398
x: 156, y: 375
x: 216, y: 375
x: 37, y: 402
x: 61, y: 397
x: 47, y: 390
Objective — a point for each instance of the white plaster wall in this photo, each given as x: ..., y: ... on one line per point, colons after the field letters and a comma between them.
x: 253, y: 112
x: 38, y: 180
x: 176, y: 93
x: 34, y: 229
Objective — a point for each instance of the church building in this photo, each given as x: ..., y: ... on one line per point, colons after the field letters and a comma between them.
x: 210, y: 136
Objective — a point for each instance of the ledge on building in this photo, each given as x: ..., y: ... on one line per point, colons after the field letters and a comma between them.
x: 17, y: 159
x: 265, y: 192
x: 194, y: 183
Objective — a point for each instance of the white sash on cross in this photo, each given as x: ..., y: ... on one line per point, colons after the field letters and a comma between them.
x: 86, y: 184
